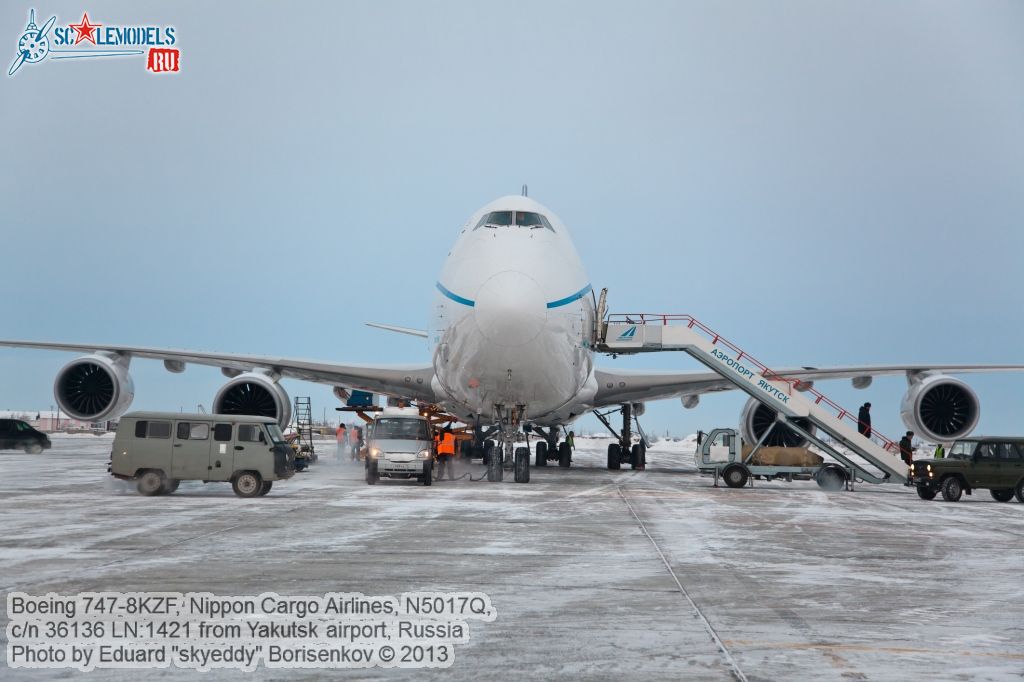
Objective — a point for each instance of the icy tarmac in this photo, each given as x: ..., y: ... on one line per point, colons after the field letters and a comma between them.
x: 652, y: 575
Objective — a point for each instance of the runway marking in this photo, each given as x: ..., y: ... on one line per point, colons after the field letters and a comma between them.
x: 726, y: 654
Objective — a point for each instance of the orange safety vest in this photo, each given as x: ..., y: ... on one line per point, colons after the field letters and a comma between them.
x: 447, y: 445
x: 340, y: 434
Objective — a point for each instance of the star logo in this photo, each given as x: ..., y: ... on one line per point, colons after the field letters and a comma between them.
x: 85, y: 30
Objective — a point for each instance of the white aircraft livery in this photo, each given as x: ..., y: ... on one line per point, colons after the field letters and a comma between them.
x: 514, y: 325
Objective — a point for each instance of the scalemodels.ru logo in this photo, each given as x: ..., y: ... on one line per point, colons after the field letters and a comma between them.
x: 86, y: 40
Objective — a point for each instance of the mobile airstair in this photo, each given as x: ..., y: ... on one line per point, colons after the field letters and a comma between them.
x: 790, y: 398
x: 304, y: 427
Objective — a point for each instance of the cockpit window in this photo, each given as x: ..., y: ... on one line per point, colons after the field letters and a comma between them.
x: 526, y: 219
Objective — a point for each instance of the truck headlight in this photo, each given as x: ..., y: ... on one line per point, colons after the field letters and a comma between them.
x: 424, y: 454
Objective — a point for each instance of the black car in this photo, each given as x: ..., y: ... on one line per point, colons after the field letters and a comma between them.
x: 17, y: 435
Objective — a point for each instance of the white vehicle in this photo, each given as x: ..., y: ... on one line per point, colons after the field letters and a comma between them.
x: 512, y: 345
x: 400, y: 445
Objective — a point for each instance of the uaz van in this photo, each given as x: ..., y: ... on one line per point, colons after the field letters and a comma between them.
x: 160, y: 449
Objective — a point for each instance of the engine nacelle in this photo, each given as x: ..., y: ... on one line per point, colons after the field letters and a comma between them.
x: 94, y: 388
x: 639, y: 409
x: 757, y: 417
x: 940, y: 409
x: 254, y: 393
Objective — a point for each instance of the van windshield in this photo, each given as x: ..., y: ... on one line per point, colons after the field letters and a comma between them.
x: 275, y: 433
x: 400, y: 429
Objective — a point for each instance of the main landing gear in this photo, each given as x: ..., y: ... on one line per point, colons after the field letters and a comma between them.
x: 624, y: 451
x: 549, y: 449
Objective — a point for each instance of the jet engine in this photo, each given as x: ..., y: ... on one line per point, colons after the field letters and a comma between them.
x: 254, y: 393
x: 757, y: 417
x: 94, y: 387
x: 940, y: 408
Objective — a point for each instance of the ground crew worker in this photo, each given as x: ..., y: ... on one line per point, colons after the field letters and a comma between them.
x: 906, y: 448
x: 571, y: 440
x: 864, y: 420
x: 353, y: 443
x: 940, y: 451
x: 446, y: 454
x: 340, y: 436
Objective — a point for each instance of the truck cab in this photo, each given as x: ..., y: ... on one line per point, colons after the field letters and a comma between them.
x: 400, y: 445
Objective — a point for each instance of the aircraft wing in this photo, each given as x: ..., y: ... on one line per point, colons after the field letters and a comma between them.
x: 639, y: 385
x: 406, y: 381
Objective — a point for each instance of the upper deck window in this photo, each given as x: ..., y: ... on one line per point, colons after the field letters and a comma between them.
x: 527, y: 219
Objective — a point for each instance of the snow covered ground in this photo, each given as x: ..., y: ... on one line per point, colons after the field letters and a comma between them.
x: 652, y: 575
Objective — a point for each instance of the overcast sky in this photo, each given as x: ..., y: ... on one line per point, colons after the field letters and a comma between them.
x: 826, y: 183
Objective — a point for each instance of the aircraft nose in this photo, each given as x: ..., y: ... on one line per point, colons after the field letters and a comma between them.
x: 510, y: 309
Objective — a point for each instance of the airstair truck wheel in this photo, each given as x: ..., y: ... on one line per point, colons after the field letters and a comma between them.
x: 542, y: 453
x: 522, y: 465
x: 735, y: 475
x: 614, y: 456
x: 831, y: 477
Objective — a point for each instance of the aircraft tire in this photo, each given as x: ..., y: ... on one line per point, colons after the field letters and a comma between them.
x: 564, y: 455
x: 638, y: 456
x: 542, y: 453
x: 522, y: 465
x: 614, y: 456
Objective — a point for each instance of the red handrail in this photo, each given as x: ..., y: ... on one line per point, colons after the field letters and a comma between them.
x: 766, y: 372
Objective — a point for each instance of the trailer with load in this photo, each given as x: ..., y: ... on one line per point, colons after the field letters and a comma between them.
x: 718, y: 455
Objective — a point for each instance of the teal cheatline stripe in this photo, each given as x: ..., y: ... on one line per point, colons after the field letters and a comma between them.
x: 456, y: 297
x: 569, y: 299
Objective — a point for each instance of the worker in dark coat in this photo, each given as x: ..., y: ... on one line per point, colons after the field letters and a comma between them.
x: 864, y: 420
x: 906, y: 448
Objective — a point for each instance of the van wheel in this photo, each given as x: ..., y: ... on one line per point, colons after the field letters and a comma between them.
x: 1002, y: 495
x: 952, y: 489
x: 1019, y: 491
x: 542, y: 453
x: 170, y: 485
x: 265, y: 488
x: 151, y: 483
x: 33, y: 448
x: 428, y: 473
x: 926, y: 493
x: 247, y: 484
